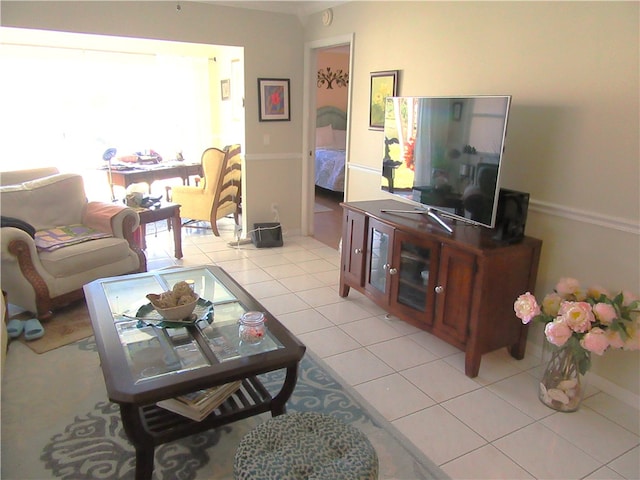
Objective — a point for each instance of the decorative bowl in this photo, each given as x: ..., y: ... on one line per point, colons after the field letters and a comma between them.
x: 177, y: 313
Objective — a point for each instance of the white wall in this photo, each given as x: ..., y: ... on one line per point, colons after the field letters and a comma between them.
x: 573, y: 135
x: 572, y: 68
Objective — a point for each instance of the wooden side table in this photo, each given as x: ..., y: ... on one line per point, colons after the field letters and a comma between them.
x: 166, y: 211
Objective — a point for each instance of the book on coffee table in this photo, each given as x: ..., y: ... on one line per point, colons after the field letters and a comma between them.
x: 198, y: 405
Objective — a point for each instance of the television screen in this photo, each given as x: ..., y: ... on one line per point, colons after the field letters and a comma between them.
x: 445, y: 153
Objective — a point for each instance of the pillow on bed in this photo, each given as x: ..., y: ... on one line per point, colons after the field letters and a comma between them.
x: 340, y: 139
x: 324, y: 137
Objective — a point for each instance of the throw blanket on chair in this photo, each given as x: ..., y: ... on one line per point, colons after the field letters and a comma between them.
x: 50, y: 240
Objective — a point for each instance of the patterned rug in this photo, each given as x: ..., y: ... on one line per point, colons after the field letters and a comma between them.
x: 58, y: 423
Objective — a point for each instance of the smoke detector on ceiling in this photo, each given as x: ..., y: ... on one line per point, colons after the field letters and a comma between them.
x: 327, y: 17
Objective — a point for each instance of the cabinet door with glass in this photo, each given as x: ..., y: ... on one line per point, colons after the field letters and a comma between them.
x: 414, y: 275
x: 378, y: 264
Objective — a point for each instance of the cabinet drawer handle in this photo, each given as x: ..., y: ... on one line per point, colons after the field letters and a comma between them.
x: 357, y: 251
x: 392, y: 271
x: 439, y: 289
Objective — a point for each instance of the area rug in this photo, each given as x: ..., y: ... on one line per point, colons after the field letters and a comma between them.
x: 58, y: 423
x: 68, y: 325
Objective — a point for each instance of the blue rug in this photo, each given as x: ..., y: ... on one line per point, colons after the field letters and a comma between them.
x: 93, y: 445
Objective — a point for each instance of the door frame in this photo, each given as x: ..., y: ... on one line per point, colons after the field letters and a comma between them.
x: 309, y: 122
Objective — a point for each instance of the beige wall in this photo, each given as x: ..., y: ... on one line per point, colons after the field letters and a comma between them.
x: 573, y: 136
x: 571, y: 67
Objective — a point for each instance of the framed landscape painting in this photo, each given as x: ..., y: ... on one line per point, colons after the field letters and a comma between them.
x: 383, y: 85
x: 273, y: 99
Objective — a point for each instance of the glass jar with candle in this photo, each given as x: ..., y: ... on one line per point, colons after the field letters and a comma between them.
x: 252, y: 328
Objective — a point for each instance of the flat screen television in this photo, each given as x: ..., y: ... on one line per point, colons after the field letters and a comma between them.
x: 444, y: 154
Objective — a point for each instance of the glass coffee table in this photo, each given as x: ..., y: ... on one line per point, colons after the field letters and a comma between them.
x: 145, y: 360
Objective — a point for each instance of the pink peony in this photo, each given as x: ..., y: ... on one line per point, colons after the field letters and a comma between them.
x: 526, y: 307
x: 614, y: 338
x: 557, y: 332
x: 577, y: 315
x: 567, y: 287
x: 551, y: 304
x: 596, y: 291
x: 633, y: 342
x: 595, y: 341
x: 605, y: 313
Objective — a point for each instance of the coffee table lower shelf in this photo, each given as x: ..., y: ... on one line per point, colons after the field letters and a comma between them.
x: 150, y: 425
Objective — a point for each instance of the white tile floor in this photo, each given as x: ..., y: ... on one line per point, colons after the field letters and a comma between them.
x: 492, y: 426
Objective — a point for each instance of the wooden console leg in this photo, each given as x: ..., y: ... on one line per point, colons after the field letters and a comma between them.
x: 472, y: 365
x: 517, y: 349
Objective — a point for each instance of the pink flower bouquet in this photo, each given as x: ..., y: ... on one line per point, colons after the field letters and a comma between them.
x: 587, y: 321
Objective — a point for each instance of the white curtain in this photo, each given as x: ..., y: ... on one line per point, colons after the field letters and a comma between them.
x: 431, y: 126
x: 65, y: 107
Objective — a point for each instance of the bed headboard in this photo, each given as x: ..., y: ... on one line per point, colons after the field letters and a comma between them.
x: 331, y: 116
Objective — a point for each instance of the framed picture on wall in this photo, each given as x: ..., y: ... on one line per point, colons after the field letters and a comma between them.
x: 273, y: 99
x: 225, y: 88
x: 383, y: 85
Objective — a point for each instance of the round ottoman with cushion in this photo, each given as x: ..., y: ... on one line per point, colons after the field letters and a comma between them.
x: 305, y: 445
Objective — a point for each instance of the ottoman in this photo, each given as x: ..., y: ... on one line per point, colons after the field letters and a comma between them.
x: 305, y: 445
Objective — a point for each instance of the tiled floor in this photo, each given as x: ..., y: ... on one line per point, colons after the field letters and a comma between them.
x: 492, y: 426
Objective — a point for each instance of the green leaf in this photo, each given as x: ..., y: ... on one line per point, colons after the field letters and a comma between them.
x: 618, y: 299
x: 584, y: 364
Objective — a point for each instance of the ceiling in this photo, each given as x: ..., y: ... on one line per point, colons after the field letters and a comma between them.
x: 300, y: 8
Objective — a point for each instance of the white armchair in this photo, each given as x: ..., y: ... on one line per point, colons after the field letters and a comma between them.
x: 41, y: 275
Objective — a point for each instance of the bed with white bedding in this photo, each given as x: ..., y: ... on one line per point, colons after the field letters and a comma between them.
x: 331, y: 143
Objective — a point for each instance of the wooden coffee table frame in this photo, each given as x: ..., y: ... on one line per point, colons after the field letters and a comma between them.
x: 148, y: 425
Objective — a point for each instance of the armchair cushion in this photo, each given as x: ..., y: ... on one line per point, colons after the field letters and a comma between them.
x: 33, y: 201
x: 84, y: 257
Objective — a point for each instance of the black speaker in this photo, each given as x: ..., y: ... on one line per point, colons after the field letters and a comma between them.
x: 511, y: 216
x: 266, y: 235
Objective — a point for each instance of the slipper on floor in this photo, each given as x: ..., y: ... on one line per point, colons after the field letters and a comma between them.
x: 15, y: 327
x: 33, y: 329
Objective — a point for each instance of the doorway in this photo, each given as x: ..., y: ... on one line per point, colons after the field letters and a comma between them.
x: 326, y: 101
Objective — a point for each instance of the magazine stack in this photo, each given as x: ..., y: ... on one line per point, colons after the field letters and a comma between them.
x: 198, y: 405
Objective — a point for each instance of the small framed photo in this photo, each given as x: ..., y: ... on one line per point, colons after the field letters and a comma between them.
x: 225, y: 88
x: 383, y: 85
x: 273, y: 99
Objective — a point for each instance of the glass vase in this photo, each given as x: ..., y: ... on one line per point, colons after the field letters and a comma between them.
x: 562, y: 385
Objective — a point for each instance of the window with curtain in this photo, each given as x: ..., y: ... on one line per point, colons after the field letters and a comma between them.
x: 65, y: 107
